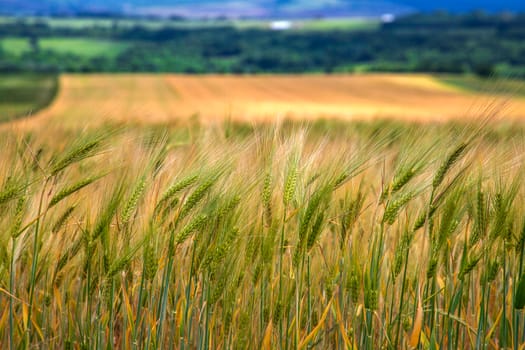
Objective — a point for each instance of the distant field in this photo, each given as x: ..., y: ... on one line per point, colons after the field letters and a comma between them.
x: 489, y: 86
x: 308, y: 24
x: 315, y: 24
x: 84, y: 47
x: 81, y: 23
x: 166, y: 98
x: 15, y: 46
x: 339, y: 24
x: 22, y: 95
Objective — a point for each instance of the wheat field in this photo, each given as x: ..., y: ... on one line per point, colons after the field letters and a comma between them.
x: 360, y: 236
x: 155, y: 233
x: 171, y: 98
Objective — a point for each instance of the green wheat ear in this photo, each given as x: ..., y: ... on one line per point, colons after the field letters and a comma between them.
x: 267, y: 197
x: 176, y: 188
x: 312, y: 207
x: 191, y: 227
x: 399, y: 181
x: 68, y: 191
x: 150, y: 259
x: 79, y: 151
x: 12, y: 189
x: 315, y: 231
x: 196, y: 196
x: 8, y: 194
x: 18, y: 217
x: 133, y: 201
x: 62, y: 219
x: 458, y: 152
x: 395, y: 206
x: 290, y: 184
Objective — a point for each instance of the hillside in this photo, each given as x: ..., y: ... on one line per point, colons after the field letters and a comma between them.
x: 154, y: 99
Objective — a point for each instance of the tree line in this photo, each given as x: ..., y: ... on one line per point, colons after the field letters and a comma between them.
x: 439, y: 42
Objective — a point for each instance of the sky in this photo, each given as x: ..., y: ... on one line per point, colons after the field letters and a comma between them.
x: 467, y: 5
x: 257, y: 5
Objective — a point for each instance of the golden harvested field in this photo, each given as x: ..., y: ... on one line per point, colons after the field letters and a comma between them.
x: 166, y: 98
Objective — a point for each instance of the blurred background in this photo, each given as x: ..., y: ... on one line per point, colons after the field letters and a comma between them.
x: 464, y: 40
x: 481, y: 37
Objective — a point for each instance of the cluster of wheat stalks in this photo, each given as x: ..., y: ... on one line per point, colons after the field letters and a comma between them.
x: 397, y: 237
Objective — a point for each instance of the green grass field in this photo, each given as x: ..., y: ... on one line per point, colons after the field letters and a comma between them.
x: 15, y: 46
x: 25, y: 94
x: 510, y: 87
x: 87, y: 48
x: 84, y: 47
x: 314, y: 24
x: 339, y: 24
